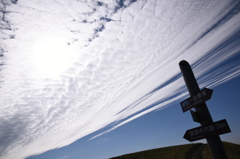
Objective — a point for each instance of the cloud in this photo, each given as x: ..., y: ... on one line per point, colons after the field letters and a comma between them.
x: 69, y: 69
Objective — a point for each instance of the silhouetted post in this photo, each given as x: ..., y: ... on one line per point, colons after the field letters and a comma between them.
x: 202, y: 112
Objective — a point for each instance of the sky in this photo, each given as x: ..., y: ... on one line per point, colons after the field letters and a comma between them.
x: 97, y: 79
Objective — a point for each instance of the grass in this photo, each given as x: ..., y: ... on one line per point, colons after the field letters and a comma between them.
x: 182, y: 152
x: 173, y: 152
x: 232, y: 150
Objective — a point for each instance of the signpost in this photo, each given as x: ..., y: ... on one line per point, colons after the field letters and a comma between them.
x: 210, y: 130
x: 197, y: 99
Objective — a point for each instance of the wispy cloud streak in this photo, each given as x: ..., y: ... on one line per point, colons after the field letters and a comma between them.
x: 68, y: 69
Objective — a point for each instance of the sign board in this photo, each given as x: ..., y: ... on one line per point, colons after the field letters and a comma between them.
x: 209, y: 130
x: 197, y: 99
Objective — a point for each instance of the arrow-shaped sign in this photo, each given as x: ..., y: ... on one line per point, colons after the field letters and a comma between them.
x: 209, y: 130
x: 197, y: 99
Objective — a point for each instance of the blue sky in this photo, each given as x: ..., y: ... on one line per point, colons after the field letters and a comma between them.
x: 97, y: 79
x: 161, y: 128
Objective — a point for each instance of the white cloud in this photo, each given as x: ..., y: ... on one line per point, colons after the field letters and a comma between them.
x: 72, y: 68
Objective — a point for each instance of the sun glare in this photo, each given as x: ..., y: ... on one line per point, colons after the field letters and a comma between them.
x: 52, y: 56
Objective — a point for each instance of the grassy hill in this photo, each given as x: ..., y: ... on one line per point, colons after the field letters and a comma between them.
x: 233, y: 151
x: 189, y: 151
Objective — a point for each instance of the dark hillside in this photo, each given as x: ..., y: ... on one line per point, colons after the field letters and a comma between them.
x: 189, y: 151
x: 233, y: 151
x: 173, y: 152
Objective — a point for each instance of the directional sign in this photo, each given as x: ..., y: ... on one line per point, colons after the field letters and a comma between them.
x: 197, y: 99
x: 209, y: 130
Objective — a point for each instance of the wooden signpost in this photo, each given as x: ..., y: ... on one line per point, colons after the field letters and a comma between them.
x: 208, y: 129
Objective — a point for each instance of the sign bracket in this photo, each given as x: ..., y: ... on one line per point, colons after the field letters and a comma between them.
x: 195, y: 116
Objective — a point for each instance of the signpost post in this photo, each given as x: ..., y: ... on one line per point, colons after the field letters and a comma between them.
x: 201, y: 114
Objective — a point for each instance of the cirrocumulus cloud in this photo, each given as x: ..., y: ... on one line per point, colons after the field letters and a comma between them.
x: 70, y: 68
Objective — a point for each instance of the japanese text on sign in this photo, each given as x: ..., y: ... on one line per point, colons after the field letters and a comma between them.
x: 216, y: 128
x: 197, y: 99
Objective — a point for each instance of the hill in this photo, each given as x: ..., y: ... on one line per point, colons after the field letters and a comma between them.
x: 188, y: 151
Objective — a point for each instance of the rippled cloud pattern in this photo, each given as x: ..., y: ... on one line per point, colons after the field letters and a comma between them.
x: 70, y: 68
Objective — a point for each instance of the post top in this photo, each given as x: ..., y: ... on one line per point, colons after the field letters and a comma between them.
x: 183, y: 63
